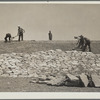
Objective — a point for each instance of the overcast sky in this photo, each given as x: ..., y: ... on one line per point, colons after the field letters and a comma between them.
x: 64, y: 20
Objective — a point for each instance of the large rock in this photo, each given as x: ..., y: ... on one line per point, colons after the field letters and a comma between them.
x: 72, y: 80
x: 96, y: 80
x: 72, y: 77
x: 84, y: 80
x: 55, y: 81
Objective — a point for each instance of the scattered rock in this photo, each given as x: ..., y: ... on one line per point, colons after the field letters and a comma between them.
x: 56, y: 81
x: 44, y: 65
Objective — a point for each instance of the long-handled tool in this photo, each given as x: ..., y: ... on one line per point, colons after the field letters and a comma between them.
x: 13, y: 37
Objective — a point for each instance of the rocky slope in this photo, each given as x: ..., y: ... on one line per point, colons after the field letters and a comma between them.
x: 50, y: 65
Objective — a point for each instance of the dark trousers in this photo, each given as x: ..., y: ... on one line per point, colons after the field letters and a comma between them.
x: 8, y: 38
x: 50, y: 37
x: 84, y: 48
x: 20, y: 37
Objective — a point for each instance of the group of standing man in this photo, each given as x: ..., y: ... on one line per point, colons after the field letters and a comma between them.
x: 19, y: 34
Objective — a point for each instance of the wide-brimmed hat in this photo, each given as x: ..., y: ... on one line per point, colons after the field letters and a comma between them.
x: 18, y: 25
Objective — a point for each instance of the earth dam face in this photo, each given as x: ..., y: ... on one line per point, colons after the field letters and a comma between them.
x: 52, y: 65
x: 52, y: 62
x: 45, y: 63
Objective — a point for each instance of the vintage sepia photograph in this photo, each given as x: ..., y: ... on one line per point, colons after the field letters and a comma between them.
x: 49, y: 47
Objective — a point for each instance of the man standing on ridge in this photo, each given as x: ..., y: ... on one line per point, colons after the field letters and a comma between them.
x: 50, y: 35
x: 20, y: 33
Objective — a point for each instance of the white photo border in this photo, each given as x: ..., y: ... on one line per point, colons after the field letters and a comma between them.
x: 50, y: 95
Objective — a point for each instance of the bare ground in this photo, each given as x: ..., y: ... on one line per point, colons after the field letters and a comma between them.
x: 24, y: 85
x: 8, y: 84
x: 33, y: 46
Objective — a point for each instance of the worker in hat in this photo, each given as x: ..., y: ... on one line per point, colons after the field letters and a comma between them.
x: 80, y: 42
x: 83, y: 43
x: 20, y: 33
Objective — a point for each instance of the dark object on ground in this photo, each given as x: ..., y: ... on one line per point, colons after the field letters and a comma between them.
x: 50, y: 35
x: 91, y: 83
x: 20, y: 33
x: 7, y: 37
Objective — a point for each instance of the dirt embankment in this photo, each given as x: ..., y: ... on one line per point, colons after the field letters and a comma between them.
x: 22, y: 84
x: 33, y: 46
